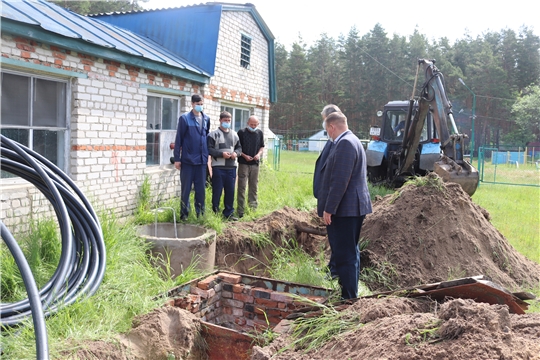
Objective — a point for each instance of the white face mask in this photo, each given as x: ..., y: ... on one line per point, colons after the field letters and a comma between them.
x: 324, y: 125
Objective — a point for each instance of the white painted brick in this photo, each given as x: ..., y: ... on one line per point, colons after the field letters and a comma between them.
x: 109, y: 110
x: 82, y: 170
x: 91, y: 90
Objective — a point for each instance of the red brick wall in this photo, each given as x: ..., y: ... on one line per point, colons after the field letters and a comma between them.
x: 223, y: 299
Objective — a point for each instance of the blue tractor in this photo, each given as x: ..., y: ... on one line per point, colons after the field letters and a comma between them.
x: 414, y: 138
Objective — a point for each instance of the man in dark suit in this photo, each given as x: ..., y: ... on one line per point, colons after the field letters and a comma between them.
x: 343, y: 200
x: 327, y: 110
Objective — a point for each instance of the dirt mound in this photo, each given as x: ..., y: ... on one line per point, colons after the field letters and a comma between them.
x: 246, y: 247
x: 432, y: 233
x: 460, y: 329
x: 165, y: 333
x: 419, y: 235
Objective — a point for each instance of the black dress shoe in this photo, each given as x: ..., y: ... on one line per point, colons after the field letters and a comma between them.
x: 232, y: 218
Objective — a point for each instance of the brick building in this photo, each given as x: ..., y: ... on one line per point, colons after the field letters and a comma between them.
x: 100, y: 96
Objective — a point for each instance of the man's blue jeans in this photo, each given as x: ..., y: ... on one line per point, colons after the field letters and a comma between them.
x: 223, y: 180
x: 343, y: 236
x: 192, y: 175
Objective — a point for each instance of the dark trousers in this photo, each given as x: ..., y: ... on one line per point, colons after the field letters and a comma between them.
x: 343, y: 236
x: 192, y: 175
x: 223, y: 180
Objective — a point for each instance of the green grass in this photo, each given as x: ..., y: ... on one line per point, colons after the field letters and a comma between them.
x: 524, y: 174
x: 515, y: 210
x: 293, y: 264
x: 310, y: 333
x: 131, y: 282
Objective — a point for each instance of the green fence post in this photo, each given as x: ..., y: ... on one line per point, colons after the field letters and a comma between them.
x: 480, y: 167
x: 277, y: 151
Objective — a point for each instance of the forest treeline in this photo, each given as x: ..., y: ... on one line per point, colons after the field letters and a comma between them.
x: 360, y: 73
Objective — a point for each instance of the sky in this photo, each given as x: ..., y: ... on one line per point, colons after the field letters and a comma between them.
x: 287, y: 19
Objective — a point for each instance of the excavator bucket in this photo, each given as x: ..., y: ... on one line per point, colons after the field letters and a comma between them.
x: 463, y: 174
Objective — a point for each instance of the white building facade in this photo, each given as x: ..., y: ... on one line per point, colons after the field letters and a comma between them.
x: 113, y: 121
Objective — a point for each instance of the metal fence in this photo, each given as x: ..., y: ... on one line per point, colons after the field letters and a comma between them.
x: 510, y: 165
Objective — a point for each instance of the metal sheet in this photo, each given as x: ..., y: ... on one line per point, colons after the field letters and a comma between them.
x: 197, y: 26
x: 40, y: 13
x: 479, y: 292
x: 478, y: 288
x: 60, y: 21
x: 10, y: 12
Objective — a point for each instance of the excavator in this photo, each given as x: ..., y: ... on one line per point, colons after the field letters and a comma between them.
x: 419, y: 136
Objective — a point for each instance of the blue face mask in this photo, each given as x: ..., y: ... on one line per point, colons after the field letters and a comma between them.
x: 199, y: 108
x: 225, y: 125
x: 252, y: 129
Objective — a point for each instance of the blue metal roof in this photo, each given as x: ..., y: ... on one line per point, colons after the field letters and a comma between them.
x: 191, y: 31
x: 52, y: 24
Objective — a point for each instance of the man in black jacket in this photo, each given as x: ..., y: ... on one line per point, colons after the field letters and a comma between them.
x: 252, y: 142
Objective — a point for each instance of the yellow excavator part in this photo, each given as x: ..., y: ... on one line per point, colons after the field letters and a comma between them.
x: 463, y: 174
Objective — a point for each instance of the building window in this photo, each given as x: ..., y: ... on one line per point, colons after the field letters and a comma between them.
x: 245, y: 56
x: 34, y: 114
x: 239, y: 117
x: 162, y: 119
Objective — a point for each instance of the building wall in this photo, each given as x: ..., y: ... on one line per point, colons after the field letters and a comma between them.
x: 232, y: 84
x: 107, y: 117
x: 107, y: 137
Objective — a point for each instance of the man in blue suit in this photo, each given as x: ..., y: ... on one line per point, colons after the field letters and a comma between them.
x: 343, y: 200
x: 327, y: 110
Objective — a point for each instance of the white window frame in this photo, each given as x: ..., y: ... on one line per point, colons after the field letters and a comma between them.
x: 236, y: 123
x: 64, y: 148
x: 246, y: 43
x: 166, y: 136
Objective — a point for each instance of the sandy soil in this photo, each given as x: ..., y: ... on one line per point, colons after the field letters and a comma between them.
x: 418, y: 235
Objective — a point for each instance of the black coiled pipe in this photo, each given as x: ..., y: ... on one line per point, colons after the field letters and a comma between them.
x: 82, y: 262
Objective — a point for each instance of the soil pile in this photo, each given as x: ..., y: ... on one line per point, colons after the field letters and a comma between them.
x: 433, y: 233
x: 418, y: 235
x: 398, y: 328
x: 165, y: 333
x: 246, y: 247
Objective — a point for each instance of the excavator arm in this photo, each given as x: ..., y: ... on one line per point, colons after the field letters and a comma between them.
x: 451, y: 166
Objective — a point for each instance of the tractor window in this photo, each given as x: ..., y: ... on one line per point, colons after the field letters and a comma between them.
x: 394, y: 125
